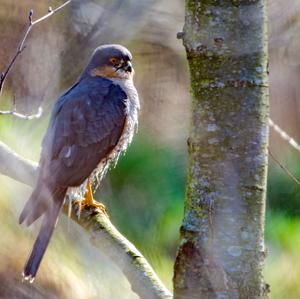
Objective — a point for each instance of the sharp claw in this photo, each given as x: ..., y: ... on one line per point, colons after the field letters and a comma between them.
x: 99, y: 206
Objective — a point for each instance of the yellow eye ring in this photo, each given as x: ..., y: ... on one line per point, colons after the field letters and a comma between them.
x: 114, y: 60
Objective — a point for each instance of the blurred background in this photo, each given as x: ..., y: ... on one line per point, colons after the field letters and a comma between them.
x: 144, y: 194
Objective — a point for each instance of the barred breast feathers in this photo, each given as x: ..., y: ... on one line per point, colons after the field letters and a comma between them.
x: 130, y: 127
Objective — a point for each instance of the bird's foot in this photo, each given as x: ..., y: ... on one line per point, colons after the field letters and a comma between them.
x: 90, y: 202
x: 87, y: 203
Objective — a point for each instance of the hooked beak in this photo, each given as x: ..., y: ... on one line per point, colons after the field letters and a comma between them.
x: 127, y: 67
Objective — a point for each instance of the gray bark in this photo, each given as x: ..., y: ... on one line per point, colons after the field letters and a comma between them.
x: 222, y: 251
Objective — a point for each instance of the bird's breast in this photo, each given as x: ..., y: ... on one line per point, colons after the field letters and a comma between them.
x: 130, y: 127
x: 132, y: 102
x: 132, y: 109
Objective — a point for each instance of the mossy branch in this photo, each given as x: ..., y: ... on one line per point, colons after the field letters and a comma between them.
x: 103, y: 235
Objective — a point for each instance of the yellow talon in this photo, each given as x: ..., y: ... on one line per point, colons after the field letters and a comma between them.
x: 89, y: 201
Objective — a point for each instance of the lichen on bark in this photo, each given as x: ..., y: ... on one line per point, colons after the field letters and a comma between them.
x: 222, y: 252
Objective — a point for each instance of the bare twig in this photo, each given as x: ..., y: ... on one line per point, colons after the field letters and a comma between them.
x: 23, y: 116
x: 103, y: 235
x: 285, y: 136
x: 284, y: 168
x: 20, y: 49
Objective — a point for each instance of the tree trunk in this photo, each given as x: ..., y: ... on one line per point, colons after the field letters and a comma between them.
x: 222, y: 252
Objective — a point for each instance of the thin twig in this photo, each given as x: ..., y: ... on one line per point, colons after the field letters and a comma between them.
x: 20, y: 49
x: 23, y: 116
x: 285, y: 136
x: 284, y: 168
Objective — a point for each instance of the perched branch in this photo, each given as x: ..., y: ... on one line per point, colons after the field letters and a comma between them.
x: 20, y: 49
x: 103, y: 235
x: 16, y: 167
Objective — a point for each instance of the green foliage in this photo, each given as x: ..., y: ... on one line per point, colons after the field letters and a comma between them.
x: 283, y: 231
x: 282, y: 269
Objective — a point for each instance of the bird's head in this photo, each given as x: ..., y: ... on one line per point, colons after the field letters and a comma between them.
x: 111, y: 61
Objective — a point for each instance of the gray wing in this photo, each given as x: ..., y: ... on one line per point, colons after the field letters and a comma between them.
x: 86, y: 124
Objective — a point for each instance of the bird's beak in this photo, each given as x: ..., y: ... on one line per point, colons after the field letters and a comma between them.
x: 127, y: 67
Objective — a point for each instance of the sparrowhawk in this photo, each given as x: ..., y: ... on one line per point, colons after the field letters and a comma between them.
x: 90, y: 125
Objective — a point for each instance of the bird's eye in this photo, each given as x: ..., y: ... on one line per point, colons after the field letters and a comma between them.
x: 114, y: 61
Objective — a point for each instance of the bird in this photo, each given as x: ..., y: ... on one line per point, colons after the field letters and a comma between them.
x: 91, y: 124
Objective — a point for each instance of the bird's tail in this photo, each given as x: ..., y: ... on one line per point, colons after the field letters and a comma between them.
x: 44, y: 236
x: 37, y: 204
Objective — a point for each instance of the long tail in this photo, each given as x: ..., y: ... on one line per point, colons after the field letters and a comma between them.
x: 44, y: 236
